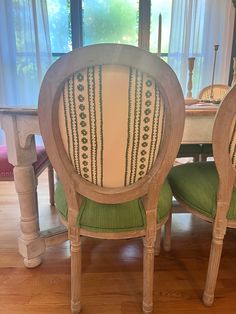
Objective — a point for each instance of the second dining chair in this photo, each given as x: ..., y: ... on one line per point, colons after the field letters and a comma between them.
x: 112, y: 119
x: 219, y: 91
x: 6, y: 169
x: 208, y: 189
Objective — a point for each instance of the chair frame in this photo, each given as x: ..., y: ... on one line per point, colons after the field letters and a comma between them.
x: 148, y: 188
x: 227, y: 175
x: 222, y: 86
x: 227, y: 180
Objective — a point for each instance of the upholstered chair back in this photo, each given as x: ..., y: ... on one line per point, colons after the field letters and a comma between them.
x: 232, y: 143
x: 111, y: 121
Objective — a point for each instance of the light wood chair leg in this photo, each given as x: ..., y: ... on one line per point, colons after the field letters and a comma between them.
x: 51, y: 184
x: 158, y: 242
x: 167, y: 234
x: 148, y: 273
x: 204, y: 157
x: 196, y: 158
x: 36, y: 196
x: 213, y: 268
x: 75, y: 274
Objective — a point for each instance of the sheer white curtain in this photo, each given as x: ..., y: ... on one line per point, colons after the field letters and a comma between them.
x: 196, y: 26
x: 25, y: 52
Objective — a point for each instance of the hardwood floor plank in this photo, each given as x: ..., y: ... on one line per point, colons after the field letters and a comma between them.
x: 112, y: 270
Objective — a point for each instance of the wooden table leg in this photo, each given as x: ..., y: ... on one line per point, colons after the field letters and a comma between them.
x: 22, y: 154
x: 31, y: 246
x: 19, y: 128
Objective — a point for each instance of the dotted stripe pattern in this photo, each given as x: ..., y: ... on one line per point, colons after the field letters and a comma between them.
x: 83, y: 114
x: 145, y: 125
x: 232, y: 145
x: 79, y: 101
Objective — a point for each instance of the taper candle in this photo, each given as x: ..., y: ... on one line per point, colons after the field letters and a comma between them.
x: 159, y: 35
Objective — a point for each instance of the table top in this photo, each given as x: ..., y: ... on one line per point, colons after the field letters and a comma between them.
x: 194, y: 108
x: 201, y: 109
x: 23, y: 111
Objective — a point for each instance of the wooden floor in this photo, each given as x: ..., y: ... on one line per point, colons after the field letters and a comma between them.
x: 112, y: 271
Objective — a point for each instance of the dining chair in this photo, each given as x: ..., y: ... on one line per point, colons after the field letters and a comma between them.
x: 112, y: 119
x: 6, y: 169
x: 219, y: 91
x: 208, y: 189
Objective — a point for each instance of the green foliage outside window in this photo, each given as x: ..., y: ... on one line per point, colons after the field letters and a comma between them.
x: 114, y: 21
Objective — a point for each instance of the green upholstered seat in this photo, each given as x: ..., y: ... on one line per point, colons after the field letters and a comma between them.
x: 116, y: 217
x: 189, y: 150
x: 196, y: 184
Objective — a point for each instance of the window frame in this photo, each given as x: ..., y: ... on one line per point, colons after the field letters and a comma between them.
x: 144, y: 26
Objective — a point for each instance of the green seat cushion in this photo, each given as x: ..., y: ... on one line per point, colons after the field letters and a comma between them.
x: 127, y: 216
x: 188, y: 150
x: 207, y: 149
x: 196, y: 184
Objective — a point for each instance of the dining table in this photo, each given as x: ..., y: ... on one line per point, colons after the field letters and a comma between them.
x: 21, y: 126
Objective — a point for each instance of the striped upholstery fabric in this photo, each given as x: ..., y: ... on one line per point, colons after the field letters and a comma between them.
x: 232, y: 145
x: 111, y: 121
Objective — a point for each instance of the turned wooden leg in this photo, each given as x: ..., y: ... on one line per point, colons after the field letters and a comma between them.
x: 158, y: 242
x: 51, y: 184
x: 75, y: 273
x: 36, y: 196
x: 31, y: 245
x: 148, y: 275
x: 204, y: 157
x: 167, y: 234
x: 213, y: 268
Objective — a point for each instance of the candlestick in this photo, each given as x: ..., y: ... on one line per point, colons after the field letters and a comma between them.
x: 190, y: 76
x: 216, y: 47
x: 159, y: 35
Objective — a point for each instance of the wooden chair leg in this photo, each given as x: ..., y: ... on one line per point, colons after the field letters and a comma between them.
x: 75, y: 273
x: 213, y: 268
x: 204, y: 157
x: 167, y: 234
x: 148, y: 275
x: 158, y: 242
x: 196, y: 158
x: 36, y: 196
x: 51, y: 184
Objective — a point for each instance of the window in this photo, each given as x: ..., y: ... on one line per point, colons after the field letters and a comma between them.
x: 59, y: 26
x: 162, y: 7
x: 76, y: 23
x: 113, y: 21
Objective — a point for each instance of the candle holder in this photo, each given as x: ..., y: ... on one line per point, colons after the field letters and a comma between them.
x: 216, y: 47
x: 191, y: 61
x: 159, y: 35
